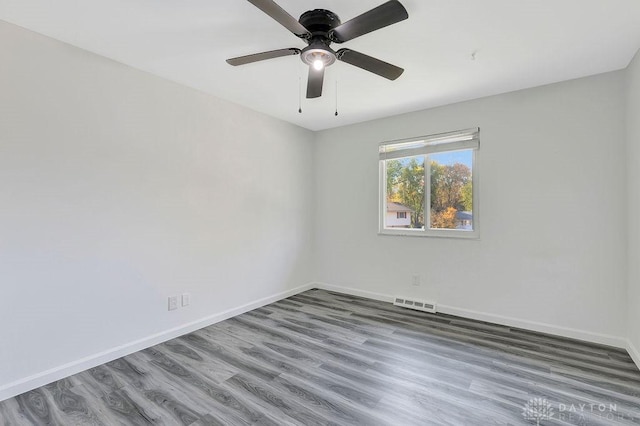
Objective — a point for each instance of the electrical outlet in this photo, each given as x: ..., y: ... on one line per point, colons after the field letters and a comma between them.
x: 173, y: 303
x: 186, y: 299
x: 415, y: 280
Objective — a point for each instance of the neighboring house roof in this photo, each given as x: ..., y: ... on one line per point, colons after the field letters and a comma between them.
x: 397, y: 207
x: 464, y: 215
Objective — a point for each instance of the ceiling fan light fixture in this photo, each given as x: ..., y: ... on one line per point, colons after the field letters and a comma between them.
x: 318, y: 57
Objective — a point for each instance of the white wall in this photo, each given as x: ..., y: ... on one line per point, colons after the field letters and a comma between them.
x: 633, y: 177
x: 552, y: 251
x: 116, y: 189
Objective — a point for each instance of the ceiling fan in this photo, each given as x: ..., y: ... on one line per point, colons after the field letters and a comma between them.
x: 319, y: 28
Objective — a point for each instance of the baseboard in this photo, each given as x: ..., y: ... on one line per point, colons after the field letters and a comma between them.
x: 354, y: 292
x: 32, y: 382
x: 634, y: 353
x: 540, y: 327
x: 587, y: 336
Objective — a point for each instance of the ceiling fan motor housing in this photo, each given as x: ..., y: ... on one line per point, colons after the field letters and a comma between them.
x: 319, y: 22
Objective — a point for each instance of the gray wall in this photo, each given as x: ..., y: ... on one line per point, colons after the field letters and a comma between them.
x: 120, y: 189
x: 633, y: 181
x: 552, y: 248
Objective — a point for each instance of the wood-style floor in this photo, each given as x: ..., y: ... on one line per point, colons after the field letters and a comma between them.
x: 322, y: 358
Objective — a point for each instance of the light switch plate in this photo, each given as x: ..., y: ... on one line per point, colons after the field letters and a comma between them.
x: 186, y: 299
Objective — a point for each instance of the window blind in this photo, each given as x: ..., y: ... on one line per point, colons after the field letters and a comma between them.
x: 451, y: 141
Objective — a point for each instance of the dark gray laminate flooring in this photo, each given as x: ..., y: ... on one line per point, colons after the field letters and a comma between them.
x: 322, y: 358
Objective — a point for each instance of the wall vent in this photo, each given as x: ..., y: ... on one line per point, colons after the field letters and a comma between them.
x: 418, y: 305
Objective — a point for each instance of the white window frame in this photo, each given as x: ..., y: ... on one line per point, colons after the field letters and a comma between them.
x: 461, y: 140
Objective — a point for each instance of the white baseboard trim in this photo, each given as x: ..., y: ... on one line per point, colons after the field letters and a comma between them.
x: 40, y: 379
x: 634, y: 353
x: 618, y: 342
x: 354, y: 292
x: 540, y: 327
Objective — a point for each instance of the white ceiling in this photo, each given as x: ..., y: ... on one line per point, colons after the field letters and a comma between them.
x: 518, y: 44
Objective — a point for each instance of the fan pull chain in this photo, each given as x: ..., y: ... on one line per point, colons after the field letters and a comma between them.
x: 336, y: 98
x: 300, y: 95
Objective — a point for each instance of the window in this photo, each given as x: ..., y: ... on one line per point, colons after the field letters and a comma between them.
x: 429, y: 185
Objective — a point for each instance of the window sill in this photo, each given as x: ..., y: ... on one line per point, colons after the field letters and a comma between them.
x: 444, y: 233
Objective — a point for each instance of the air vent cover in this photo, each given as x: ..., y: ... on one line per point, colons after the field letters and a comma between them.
x: 417, y: 304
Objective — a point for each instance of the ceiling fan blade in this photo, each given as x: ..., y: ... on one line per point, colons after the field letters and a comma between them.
x: 368, y: 63
x: 314, y: 82
x: 241, y: 60
x: 279, y: 14
x: 379, y: 17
